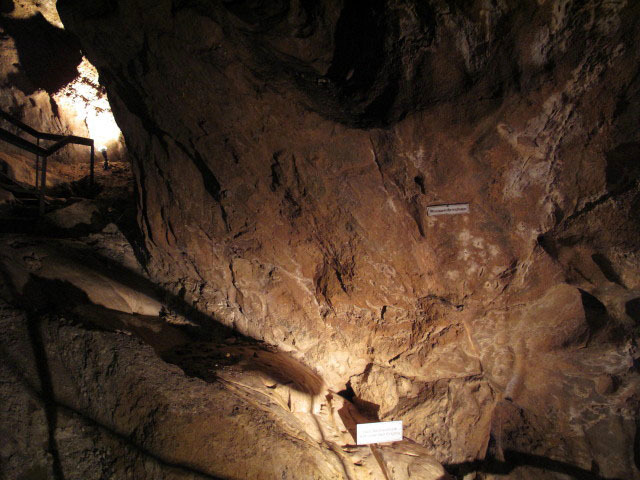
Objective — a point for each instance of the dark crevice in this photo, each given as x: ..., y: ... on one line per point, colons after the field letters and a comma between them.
x: 636, y: 445
x: 340, y: 280
x: 416, y: 214
x: 393, y: 359
x: 623, y: 167
x: 293, y: 208
x: 606, y: 268
x: 142, y: 199
x: 594, y: 310
x: 545, y: 241
x: 632, y: 308
x: 589, y: 206
x: 369, y: 409
x: 54, y: 107
x: 348, y: 392
x: 359, y: 46
x: 276, y: 173
x: 363, y: 75
x: 210, y: 182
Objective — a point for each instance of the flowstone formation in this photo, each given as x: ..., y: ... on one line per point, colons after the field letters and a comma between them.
x: 285, y: 153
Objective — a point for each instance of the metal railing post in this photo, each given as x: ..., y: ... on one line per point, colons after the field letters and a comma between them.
x: 92, y: 163
x: 37, y: 163
x: 41, y: 166
x: 43, y: 184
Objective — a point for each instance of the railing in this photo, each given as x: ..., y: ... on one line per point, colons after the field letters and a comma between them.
x: 40, y: 152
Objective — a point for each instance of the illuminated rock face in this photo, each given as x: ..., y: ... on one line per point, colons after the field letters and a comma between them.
x: 285, y: 154
x: 47, y: 83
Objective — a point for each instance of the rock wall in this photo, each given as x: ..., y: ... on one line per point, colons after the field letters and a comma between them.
x: 47, y: 83
x: 285, y: 153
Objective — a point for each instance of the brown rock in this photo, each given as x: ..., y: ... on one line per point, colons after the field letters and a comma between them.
x: 285, y: 153
x: 605, y: 384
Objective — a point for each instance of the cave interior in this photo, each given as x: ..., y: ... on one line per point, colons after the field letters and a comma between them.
x: 288, y: 219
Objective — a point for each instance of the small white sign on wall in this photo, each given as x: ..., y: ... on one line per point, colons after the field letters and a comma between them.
x: 451, y: 209
x: 379, y: 432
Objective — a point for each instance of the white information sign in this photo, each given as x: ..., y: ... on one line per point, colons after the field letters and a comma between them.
x: 451, y: 209
x: 379, y: 432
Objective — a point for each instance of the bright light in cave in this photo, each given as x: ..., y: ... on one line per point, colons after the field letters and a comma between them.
x: 86, y: 100
x: 102, y: 127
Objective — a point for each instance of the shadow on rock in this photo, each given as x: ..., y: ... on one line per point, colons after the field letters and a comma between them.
x: 49, y: 55
x: 53, y: 408
x: 514, y: 459
x: 200, y: 347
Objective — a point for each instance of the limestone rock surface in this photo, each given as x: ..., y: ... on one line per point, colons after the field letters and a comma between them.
x: 285, y: 153
x: 94, y: 392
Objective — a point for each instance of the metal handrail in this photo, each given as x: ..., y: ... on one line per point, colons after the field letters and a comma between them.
x: 35, y: 148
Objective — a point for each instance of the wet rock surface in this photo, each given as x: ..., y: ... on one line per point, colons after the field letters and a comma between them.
x: 285, y: 154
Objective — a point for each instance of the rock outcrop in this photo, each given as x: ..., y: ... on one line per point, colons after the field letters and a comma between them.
x: 91, y: 386
x: 47, y: 83
x: 285, y: 153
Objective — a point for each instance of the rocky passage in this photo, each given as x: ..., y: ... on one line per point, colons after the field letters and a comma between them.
x: 285, y: 154
x: 49, y: 85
